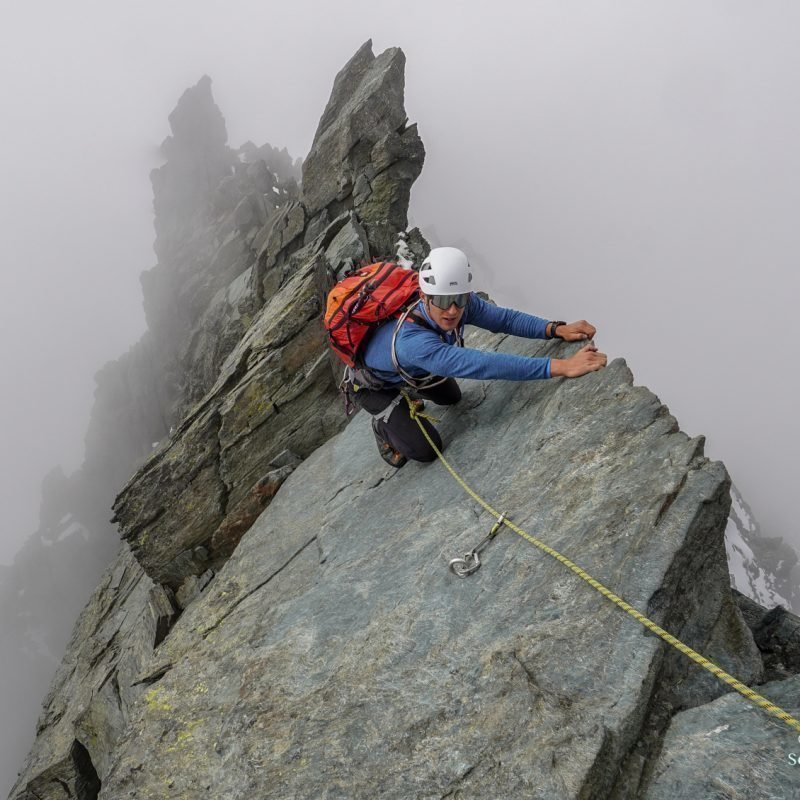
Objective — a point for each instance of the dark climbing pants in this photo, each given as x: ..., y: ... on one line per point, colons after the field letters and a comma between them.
x: 399, y: 429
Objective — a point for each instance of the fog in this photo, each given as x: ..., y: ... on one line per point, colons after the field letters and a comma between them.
x: 634, y: 164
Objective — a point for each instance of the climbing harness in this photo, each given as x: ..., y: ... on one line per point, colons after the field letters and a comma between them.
x: 389, y: 410
x: 472, y: 560
x: 502, y: 519
x: 354, y: 379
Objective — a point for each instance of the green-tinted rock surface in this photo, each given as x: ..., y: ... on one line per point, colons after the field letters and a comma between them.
x: 96, y: 687
x: 336, y: 656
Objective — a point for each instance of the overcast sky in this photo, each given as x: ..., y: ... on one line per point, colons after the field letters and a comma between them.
x: 632, y: 163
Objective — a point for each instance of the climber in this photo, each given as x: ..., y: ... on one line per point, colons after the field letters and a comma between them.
x: 424, y: 349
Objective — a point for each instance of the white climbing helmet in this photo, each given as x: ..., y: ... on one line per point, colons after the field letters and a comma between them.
x: 446, y: 270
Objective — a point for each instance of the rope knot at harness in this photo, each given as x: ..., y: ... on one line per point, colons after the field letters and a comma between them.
x: 414, y: 407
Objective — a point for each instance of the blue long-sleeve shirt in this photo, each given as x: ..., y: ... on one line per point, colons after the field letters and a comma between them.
x: 421, y: 351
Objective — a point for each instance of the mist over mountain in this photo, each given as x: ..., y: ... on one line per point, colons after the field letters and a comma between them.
x: 639, y: 162
x: 137, y: 400
x: 244, y: 505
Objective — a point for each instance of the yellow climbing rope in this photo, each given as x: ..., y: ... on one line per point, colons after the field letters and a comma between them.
x: 745, y: 691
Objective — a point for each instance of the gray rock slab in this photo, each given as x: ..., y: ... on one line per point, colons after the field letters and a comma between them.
x: 348, y: 248
x: 216, y: 333
x: 95, y: 686
x: 777, y: 635
x: 336, y: 656
x: 287, y: 224
x: 730, y: 749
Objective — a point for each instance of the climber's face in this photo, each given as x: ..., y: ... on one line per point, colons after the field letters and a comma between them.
x: 447, y: 319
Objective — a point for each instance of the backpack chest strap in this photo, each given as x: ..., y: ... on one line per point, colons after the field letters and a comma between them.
x: 425, y: 381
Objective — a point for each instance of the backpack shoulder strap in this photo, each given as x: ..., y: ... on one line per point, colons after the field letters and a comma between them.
x: 427, y: 381
x: 419, y: 319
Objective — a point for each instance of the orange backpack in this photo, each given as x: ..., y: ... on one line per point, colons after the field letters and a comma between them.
x: 363, y: 300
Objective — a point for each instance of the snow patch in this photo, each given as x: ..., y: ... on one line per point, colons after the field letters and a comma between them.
x: 403, y: 254
x: 747, y: 576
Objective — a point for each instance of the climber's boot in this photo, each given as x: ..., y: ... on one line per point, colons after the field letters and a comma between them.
x: 394, y: 458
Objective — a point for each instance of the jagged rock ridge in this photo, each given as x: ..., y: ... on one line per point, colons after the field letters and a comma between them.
x: 326, y: 651
x: 242, y: 256
x: 205, y: 236
x: 178, y: 511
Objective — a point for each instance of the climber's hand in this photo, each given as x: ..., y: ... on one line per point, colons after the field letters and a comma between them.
x: 587, y: 359
x: 576, y: 331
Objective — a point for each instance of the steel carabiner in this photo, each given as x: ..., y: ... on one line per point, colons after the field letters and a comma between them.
x: 465, y: 566
x: 471, y: 561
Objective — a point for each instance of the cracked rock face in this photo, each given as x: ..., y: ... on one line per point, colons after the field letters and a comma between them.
x: 777, y: 635
x: 729, y: 749
x: 258, y: 352
x: 95, y: 688
x: 336, y: 656
x: 364, y: 158
x: 275, y: 392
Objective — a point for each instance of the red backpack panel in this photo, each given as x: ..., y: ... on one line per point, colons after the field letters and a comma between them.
x: 362, y: 301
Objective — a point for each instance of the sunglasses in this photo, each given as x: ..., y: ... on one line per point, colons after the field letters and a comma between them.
x: 444, y: 301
